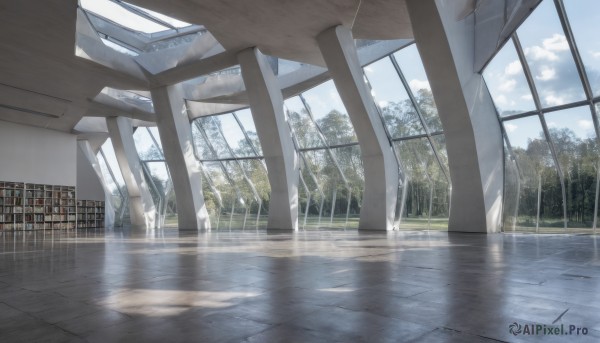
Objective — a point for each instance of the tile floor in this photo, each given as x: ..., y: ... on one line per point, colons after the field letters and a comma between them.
x: 319, y: 286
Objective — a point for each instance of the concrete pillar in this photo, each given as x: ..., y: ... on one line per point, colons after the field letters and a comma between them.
x: 473, y: 135
x: 92, y: 160
x: 381, y: 168
x: 176, y: 137
x: 141, y: 206
x: 266, y: 102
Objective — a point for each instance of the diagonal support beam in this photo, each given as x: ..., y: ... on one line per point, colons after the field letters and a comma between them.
x: 266, y: 102
x: 381, y: 168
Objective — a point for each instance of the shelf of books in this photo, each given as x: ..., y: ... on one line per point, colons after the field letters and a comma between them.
x: 27, y: 206
x: 90, y: 214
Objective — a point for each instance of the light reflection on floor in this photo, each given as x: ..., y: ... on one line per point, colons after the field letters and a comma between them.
x: 257, y: 286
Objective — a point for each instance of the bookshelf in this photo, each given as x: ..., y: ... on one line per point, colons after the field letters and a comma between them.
x: 28, y: 206
x: 90, y: 214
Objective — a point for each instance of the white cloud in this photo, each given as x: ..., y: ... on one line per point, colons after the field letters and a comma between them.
x: 538, y: 53
x: 513, y: 68
x: 527, y: 97
x: 510, y: 127
x: 383, y: 104
x: 500, y: 100
x: 419, y: 84
x: 546, y: 74
x: 595, y: 54
x: 585, y: 124
x: 550, y: 46
x: 507, y: 86
x: 553, y: 100
x: 557, y: 42
x: 552, y: 124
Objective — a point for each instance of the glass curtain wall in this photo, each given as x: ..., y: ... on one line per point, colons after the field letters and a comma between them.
x: 403, y: 97
x: 331, y: 171
x: 156, y: 172
x: 545, y: 85
x: 235, y: 184
x: 114, y: 182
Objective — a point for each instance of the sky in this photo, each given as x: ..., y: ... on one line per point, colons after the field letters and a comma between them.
x: 553, y: 69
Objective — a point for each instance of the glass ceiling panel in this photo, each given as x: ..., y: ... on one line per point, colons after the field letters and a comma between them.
x: 410, y: 63
x: 304, y: 128
x: 171, y: 21
x: 507, y: 84
x: 118, y: 47
x: 330, y: 114
x: 120, y: 15
x: 549, y: 56
x: 247, y: 123
x: 584, y: 18
x: 389, y: 93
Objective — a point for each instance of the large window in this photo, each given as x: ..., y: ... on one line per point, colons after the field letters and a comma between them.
x: 331, y: 180
x: 402, y: 94
x: 156, y: 172
x: 543, y: 83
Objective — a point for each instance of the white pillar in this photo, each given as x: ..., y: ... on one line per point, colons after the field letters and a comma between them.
x: 381, y: 168
x: 266, y: 102
x: 141, y: 205
x: 109, y: 208
x: 176, y: 137
x: 465, y: 107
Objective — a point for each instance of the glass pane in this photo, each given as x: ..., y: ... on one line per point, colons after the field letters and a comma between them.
x: 411, y: 65
x: 146, y: 148
x: 118, y: 47
x: 116, y: 13
x: 111, y: 159
x: 549, y: 57
x: 505, y: 79
x: 399, y: 114
x: 245, y: 117
x: 109, y: 182
x: 330, y: 114
x: 234, y: 135
x: 304, y: 128
x: 203, y: 150
x: 211, y: 127
x: 171, y: 21
x: 540, y: 192
x: 572, y: 133
x: 350, y: 162
x: 584, y: 16
x: 416, y: 157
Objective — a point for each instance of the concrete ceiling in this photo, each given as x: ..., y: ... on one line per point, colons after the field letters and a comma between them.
x: 37, y: 40
x: 288, y: 28
x: 39, y: 67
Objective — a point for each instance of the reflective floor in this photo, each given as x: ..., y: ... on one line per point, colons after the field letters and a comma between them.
x: 317, y: 286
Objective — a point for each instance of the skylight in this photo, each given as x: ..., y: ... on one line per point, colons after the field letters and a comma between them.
x: 122, y: 16
x: 171, y: 21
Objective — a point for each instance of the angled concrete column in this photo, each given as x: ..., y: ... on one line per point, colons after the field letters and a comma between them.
x: 381, y: 168
x: 275, y: 137
x: 92, y: 160
x: 473, y: 135
x: 176, y: 137
x: 141, y: 205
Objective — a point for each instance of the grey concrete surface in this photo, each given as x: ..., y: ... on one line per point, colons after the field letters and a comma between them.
x: 319, y: 286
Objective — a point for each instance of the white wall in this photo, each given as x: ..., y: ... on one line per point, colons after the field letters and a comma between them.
x: 88, y: 184
x: 36, y: 155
